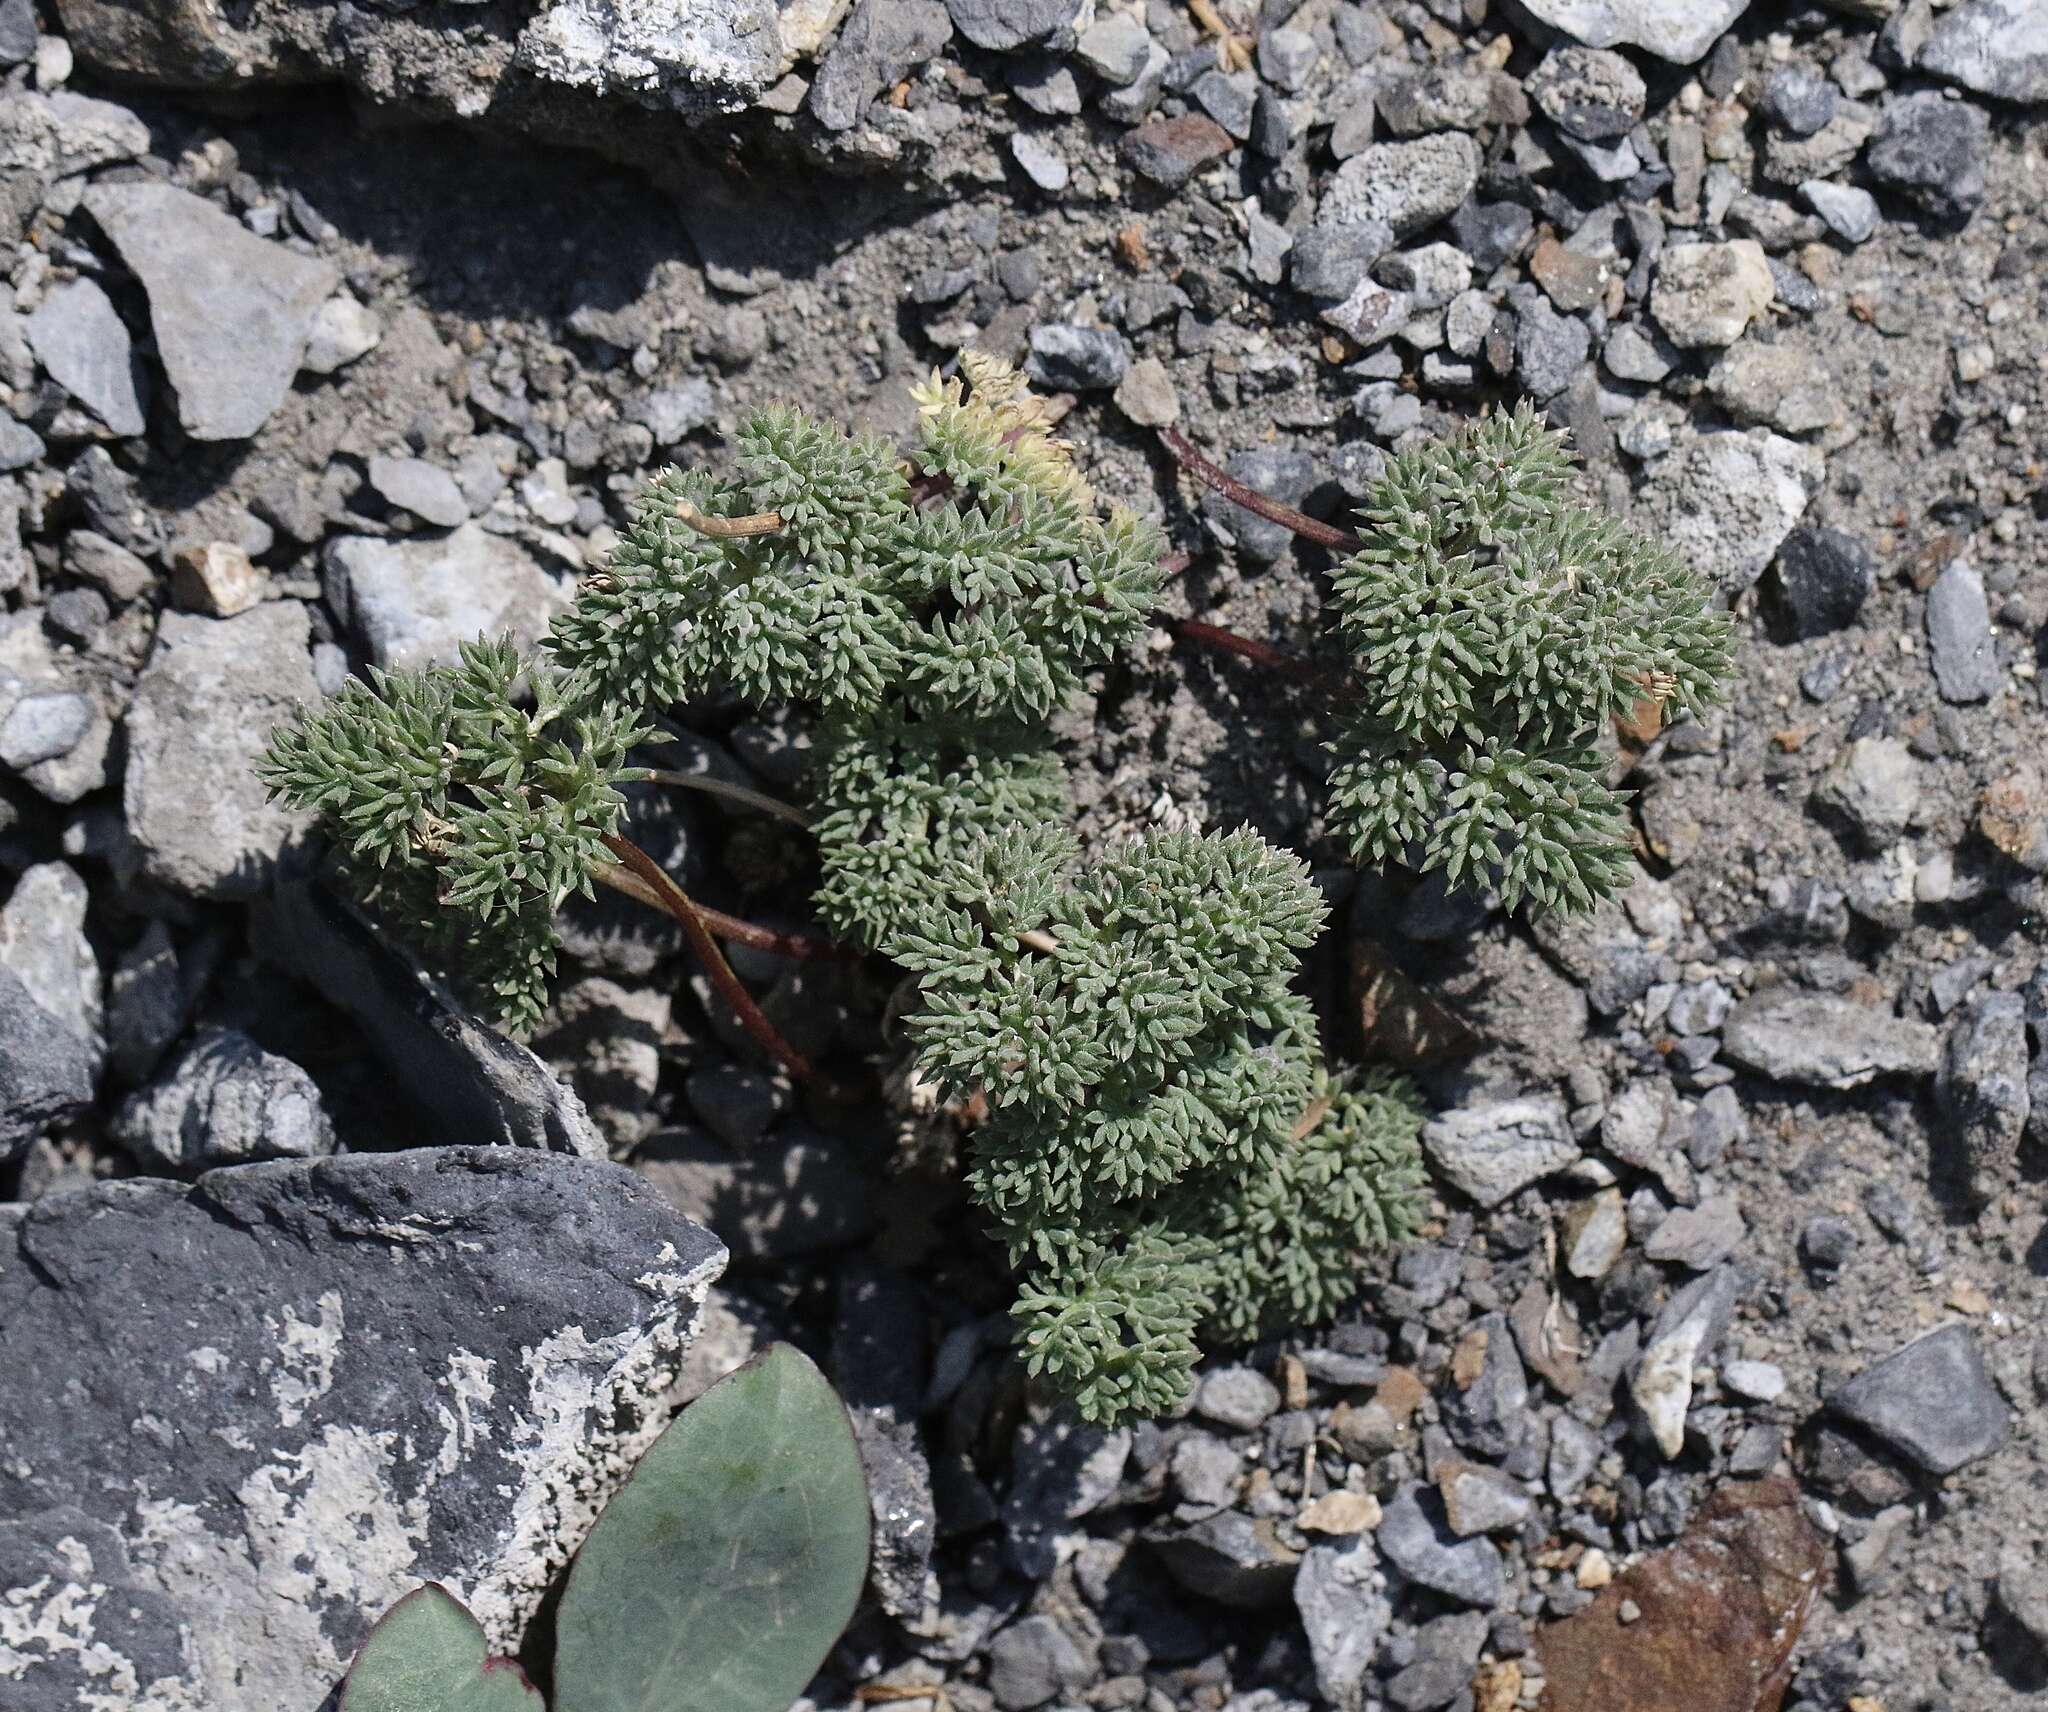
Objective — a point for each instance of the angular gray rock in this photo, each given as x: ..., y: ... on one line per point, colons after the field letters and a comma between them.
x: 1341, y: 1596
x: 1981, y: 1089
x: 1708, y: 294
x: 232, y: 312
x: 1933, y: 151
x: 1996, y: 47
x: 1725, y: 501
x: 1079, y: 359
x: 906, y: 1525
x: 1591, y: 93
x: 297, y: 1389
x: 414, y: 602
x: 877, y: 46
x: 472, y: 1079
x: 426, y: 490
x: 1934, y: 1400
x: 1231, y: 1558
x: 1959, y: 642
x: 1490, y: 1415
x: 1820, y: 1041
x: 42, y: 940
x: 48, y: 136
x: 1490, y: 1152
x: 1415, y: 1536
x: 1875, y: 784
x: 1678, y: 30
x: 225, y: 1101
x: 1036, y: 1660
x: 86, y: 350
x: 1279, y: 472
x: 202, y: 716
x: 1005, y: 25
x: 54, y: 730
x: 46, y: 1072
x: 1061, y: 1470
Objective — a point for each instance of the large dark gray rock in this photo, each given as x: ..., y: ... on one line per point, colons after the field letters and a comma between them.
x: 1933, y: 1400
x: 272, y: 1401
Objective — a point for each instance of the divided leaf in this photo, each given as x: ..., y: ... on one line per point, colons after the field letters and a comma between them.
x: 721, y: 1574
x: 427, y: 1654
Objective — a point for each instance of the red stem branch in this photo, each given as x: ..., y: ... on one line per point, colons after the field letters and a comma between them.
x: 1323, y: 534
x: 697, y: 930
x: 1230, y: 642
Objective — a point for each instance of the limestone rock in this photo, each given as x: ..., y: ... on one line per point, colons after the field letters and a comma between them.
x: 202, y: 716
x: 414, y: 602
x: 232, y: 312
x: 295, y: 1390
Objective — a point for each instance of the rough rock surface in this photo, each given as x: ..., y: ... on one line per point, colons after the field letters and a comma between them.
x: 231, y: 313
x: 1826, y: 1042
x: 473, y: 1080
x: 1726, y: 501
x: 410, y: 603
x: 1707, y: 1624
x: 225, y: 1102
x: 1996, y: 47
x: 447, y: 1357
x: 203, y: 712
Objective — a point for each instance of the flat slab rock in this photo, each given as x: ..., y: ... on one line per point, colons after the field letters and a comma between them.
x: 271, y: 1401
x: 1819, y: 1041
x: 1717, y: 1614
x: 232, y: 312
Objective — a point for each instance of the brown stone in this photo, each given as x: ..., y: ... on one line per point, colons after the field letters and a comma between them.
x: 1717, y: 1617
x: 2012, y: 815
x: 1573, y: 282
x: 1171, y: 151
x: 217, y: 579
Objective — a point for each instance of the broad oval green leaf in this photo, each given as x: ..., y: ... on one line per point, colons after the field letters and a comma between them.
x: 427, y: 1654
x: 727, y: 1565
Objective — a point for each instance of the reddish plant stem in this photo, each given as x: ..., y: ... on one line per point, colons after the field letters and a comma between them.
x: 1323, y: 534
x: 731, y: 927
x: 1229, y: 642
x: 697, y: 931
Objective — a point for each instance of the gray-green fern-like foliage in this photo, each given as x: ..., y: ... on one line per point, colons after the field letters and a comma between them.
x: 1165, y: 1155
x: 466, y: 812
x: 935, y: 614
x: 1498, y: 624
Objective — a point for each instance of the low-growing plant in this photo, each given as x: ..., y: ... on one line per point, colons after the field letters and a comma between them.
x: 716, y: 1580
x: 1497, y: 625
x: 1166, y: 1155
x: 1165, y: 1150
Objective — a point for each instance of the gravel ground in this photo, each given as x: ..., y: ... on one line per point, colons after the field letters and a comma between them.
x: 330, y: 337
